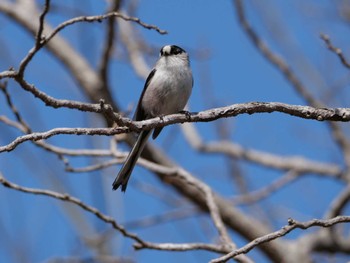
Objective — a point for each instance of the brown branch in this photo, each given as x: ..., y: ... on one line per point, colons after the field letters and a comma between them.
x: 306, y: 112
x: 94, y: 167
x: 76, y: 152
x: 24, y: 126
x: 109, y: 220
x: 236, y: 151
x: 339, y: 203
x: 72, y: 131
x: 11, y: 123
x: 8, y: 74
x: 334, y: 49
x: 181, y: 247
x: 262, y: 193
x: 165, y: 217
x: 272, y: 57
x: 56, y: 103
x: 292, y: 225
x: 287, y: 72
x: 99, y: 18
x: 108, y: 45
x: 39, y: 42
x: 42, y: 41
x: 81, y: 71
x: 74, y: 200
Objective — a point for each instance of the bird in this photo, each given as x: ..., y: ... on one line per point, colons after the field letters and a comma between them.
x: 166, y: 91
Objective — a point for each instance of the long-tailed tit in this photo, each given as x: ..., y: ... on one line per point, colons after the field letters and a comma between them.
x: 166, y: 91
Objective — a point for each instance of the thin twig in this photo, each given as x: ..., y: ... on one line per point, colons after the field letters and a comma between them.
x: 42, y: 40
x: 39, y: 35
x: 74, y: 200
x: 236, y: 151
x: 25, y: 128
x: 292, y: 224
x: 334, y: 49
x: 109, y: 220
x: 94, y: 167
x: 72, y: 131
x: 339, y: 203
x: 39, y: 42
x: 287, y: 72
x: 99, y: 18
x: 262, y: 193
x: 108, y: 45
x: 272, y: 57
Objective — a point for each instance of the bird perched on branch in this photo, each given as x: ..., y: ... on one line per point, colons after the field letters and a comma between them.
x: 166, y: 91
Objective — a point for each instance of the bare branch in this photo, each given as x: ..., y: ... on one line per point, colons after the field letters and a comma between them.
x: 108, y: 45
x: 272, y: 57
x: 99, y: 18
x: 266, y: 191
x: 74, y: 200
x: 210, y: 203
x: 169, y: 216
x: 8, y: 74
x: 94, y: 167
x: 11, y: 123
x: 40, y: 40
x: 181, y: 247
x: 292, y: 224
x: 73, y: 131
x: 139, y: 242
x: 334, y: 49
x: 57, y: 103
x: 234, y: 150
x: 131, y: 41
x: 334, y: 114
x: 75, y: 152
x: 25, y: 128
x: 285, y: 69
x: 339, y: 203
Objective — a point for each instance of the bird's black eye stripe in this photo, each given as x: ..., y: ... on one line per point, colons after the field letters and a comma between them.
x: 175, y: 50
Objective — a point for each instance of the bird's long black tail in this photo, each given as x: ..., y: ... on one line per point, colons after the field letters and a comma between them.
x: 126, y: 170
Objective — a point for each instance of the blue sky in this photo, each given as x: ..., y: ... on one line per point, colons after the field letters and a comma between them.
x: 233, y: 71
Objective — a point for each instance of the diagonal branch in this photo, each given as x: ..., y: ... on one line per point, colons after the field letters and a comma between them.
x: 272, y: 57
x: 286, y: 70
x: 108, y: 45
x: 292, y: 225
x: 233, y: 150
x: 336, y: 50
x: 74, y: 200
x: 109, y: 220
x: 39, y: 42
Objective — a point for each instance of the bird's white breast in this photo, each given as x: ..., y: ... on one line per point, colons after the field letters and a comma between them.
x: 169, y: 89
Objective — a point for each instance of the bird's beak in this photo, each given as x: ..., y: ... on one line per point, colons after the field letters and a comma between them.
x: 166, y: 50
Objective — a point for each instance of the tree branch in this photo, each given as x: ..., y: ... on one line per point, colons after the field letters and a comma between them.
x: 292, y: 225
x: 306, y: 112
x: 74, y: 200
x: 334, y: 49
x: 287, y: 72
x: 233, y: 150
x: 72, y: 131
